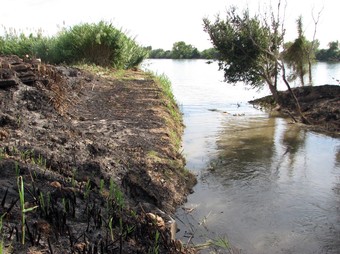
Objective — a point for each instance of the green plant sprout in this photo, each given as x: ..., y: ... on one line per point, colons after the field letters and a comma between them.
x: 17, y: 169
x: 2, y: 238
x: 87, y: 189
x: 20, y: 183
x: 101, y: 185
x: 111, y: 229
x: 116, y: 194
x: 155, y: 249
x: 42, y: 202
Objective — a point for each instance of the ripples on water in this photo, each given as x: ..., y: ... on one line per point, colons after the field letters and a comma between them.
x: 265, y: 184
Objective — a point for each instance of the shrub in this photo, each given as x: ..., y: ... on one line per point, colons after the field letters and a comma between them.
x: 100, y: 44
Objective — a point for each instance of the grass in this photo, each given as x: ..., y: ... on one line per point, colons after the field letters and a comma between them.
x: 96, y: 43
x: 175, y: 120
x: 155, y: 249
x: 103, y: 71
x: 1, y: 235
x: 171, y: 103
x: 216, y: 245
x: 118, y: 223
x: 24, y: 210
x: 116, y: 194
x: 154, y: 156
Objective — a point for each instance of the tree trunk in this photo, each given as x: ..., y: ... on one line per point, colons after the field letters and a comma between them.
x: 301, y: 74
x: 310, y: 71
x: 297, y: 104
x: 275, y: 93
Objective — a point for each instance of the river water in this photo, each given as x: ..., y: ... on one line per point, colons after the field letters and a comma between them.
x: 264, y: 184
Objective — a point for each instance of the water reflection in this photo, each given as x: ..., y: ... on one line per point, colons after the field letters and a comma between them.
x: 265, y: 184
x: 293, y: 140
x: 272, y: 188
x: 337, y: 157
x: 245, y: 148
x: 275, y: 188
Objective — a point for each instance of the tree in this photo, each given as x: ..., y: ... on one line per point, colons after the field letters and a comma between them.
x: 330, y: 54
x: 211, y: 53
x: 313, y: 46
x: 300, y: 54
x: 248, y: 49
x: 296, y: 54
x: 181, y: 50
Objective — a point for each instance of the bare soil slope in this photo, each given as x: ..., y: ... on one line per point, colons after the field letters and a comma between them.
x: 65, y: 133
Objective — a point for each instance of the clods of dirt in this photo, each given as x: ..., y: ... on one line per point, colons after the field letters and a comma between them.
x: 320, y: 105
x: 88, y: 151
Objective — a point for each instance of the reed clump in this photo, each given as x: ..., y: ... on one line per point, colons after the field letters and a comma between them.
x: 91, y: 43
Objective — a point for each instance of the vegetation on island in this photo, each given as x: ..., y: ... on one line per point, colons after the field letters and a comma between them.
x: 252, y: 50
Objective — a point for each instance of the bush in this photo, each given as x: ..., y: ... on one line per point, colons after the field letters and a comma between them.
x: 99, y: 44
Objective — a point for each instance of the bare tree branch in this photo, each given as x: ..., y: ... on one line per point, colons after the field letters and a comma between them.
x: 309, y: 51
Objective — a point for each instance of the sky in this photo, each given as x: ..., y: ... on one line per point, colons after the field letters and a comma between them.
x: 160, y: 23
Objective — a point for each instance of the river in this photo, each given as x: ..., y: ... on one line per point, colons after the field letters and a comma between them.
x: 264, y: 184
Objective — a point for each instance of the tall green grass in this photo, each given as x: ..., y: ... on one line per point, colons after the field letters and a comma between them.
x: 96, y: 43
x: 166, y: 86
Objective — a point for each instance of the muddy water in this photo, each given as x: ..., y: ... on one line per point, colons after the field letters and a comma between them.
x: 265, y: 184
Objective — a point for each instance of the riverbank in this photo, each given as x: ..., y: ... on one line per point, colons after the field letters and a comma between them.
x: 98, y: 155
x: 320, y: 105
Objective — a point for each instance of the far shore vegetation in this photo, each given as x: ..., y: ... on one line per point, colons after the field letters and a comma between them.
x: 182, y: 50
x: 103, y: 44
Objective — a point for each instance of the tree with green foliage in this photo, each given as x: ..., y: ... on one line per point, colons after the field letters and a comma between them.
x: 159, y: 53
x: 296, y: 54
x: 300, y: 54
x: 210, y: 53
x: 248, y: 48
x: 181, y: 50
x: 330, y: 54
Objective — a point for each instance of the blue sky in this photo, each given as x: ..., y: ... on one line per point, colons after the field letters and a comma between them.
x: 160, y: 23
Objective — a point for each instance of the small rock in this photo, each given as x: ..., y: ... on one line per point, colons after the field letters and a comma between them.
x: 157, y: 219
x: 55, y: 184
x: 80, y: 247
x: 3, y: 134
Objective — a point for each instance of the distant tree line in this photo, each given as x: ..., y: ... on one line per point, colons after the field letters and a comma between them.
x: 181, y: 50
x: 330, y: 54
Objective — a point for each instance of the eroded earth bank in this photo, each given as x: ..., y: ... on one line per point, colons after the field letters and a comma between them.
x: 95, y: 159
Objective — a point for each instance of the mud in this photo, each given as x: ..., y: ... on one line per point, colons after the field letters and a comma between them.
x: 320, y: 105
